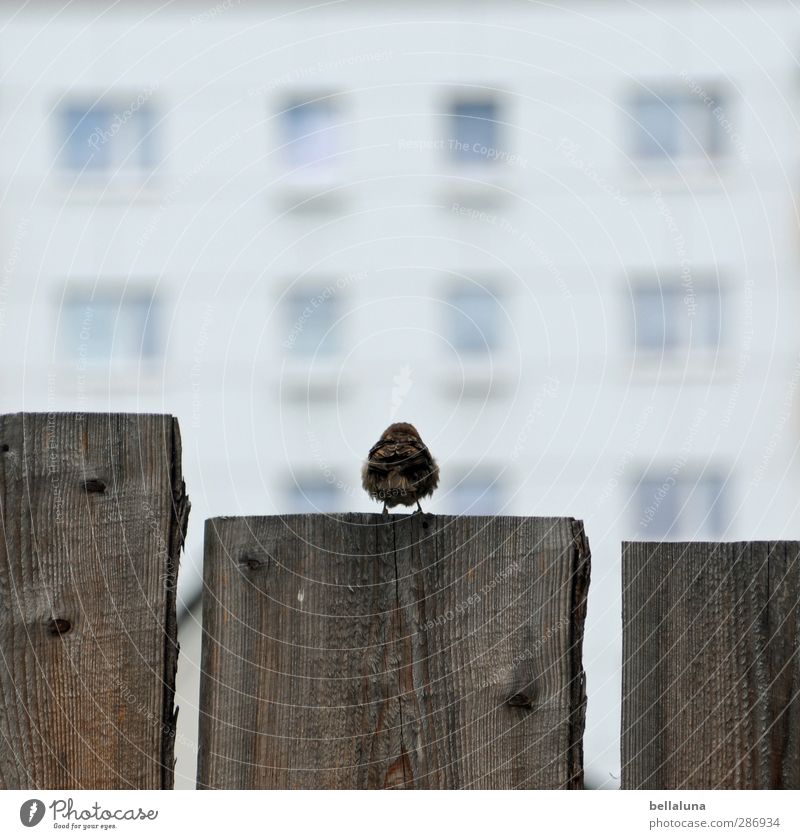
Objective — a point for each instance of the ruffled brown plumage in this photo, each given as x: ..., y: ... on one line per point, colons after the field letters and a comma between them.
x: 399, y: 468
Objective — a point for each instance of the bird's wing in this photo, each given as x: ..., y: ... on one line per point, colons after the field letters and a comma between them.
x: 410, y: 457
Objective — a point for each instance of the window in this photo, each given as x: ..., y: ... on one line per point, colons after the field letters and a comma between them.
x: 473, y: 132
x: 474, y: 320
x: 475, y: 495
x: 311, y: 317
x: 676, y: 126
x: 310, y: 133
x: 680, y: 508
x: 100, y: 138
x: 670, y: 318
x: 313, y: 494
x: 106, y: 327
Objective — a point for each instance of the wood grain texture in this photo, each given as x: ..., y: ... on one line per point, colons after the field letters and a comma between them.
x: 424, y: 652
x: 93, y: 513
x: 711, y: 678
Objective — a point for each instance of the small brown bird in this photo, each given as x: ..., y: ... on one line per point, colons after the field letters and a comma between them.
x: 400, y: 469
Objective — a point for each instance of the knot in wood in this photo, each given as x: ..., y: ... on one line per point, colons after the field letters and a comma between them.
x: 94, y: 485
x: 520, y: 700
x: 252, y: 562
x: 59, y: 626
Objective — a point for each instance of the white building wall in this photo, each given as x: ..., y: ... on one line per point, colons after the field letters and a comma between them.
x: 573, y: 417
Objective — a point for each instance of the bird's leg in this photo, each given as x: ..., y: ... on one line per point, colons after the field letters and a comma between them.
x: 419, y: 506
x: 385, y: 512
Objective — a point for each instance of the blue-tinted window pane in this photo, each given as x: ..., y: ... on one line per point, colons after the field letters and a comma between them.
x: 676, y: 126
x: 143, y: 135
x: 310, y: 133
x: 703, y: 134
x: 474, y: 316
x: 656, y: 127
x: 475, y: 495
x: 474, y: 131
x: 671, y: 317
x: 314, y: 495
x: 706, y: 323
x: 678, y: 507
x: 650, y: 318
x: 106, y: 328
x: 704, y: 515
x: 100, y: 138
x: 82, y: 149
x: 311, y: 316
x: 657, y: 508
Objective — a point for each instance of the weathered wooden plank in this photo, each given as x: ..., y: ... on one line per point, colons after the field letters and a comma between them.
x: 296, y: 651
x: 710, y: 665
x: 428, y: 652
x: 93, y: 513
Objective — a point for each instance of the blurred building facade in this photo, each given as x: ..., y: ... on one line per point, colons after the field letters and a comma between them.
x: 561, y: 241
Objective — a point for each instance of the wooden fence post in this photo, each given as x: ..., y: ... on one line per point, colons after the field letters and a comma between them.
x: 93, y: 514
x: 428, y: 652
x: 711, y: 675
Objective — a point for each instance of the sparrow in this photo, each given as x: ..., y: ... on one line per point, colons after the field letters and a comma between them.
x: 399, y: 468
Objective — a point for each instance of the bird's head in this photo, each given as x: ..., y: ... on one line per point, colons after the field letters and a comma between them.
x: 399, y: 428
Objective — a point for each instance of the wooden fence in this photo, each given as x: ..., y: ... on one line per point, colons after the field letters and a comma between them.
x: 426, y: 652
x: 711, y: 670
x: 353, y: 651
x: 93, y: 512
